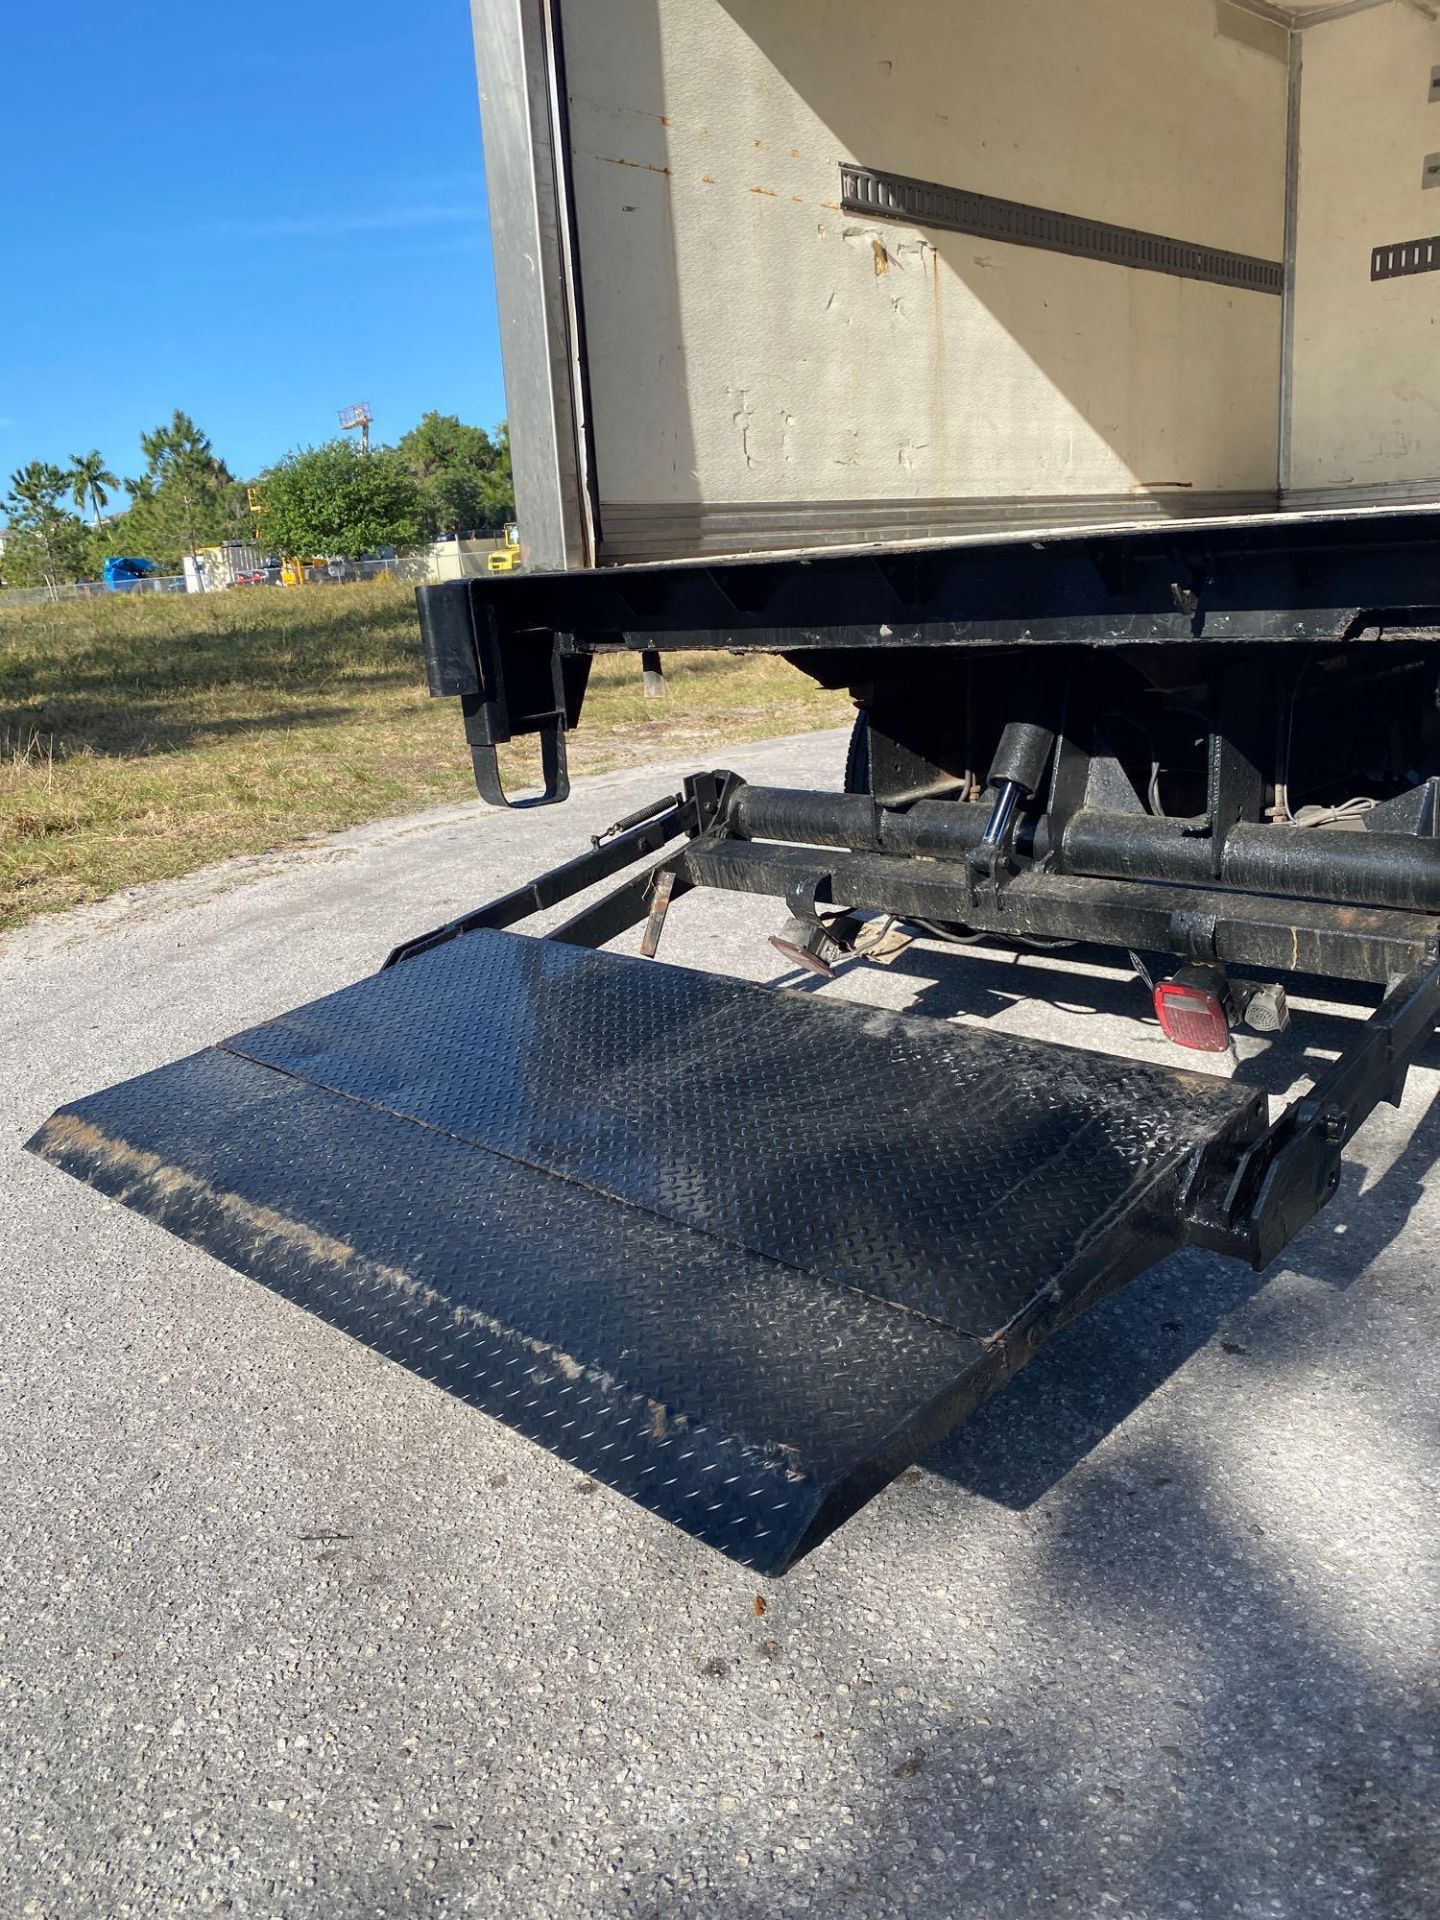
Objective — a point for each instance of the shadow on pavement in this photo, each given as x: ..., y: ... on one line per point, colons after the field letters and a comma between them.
x: 1021, y: 1444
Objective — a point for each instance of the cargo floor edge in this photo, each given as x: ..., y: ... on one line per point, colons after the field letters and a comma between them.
x: 742, y: 1255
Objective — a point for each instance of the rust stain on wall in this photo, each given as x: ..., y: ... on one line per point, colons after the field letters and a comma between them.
x: 611, y: 160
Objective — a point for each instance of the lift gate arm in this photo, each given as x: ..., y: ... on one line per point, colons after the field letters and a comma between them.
x: 741, y: 1255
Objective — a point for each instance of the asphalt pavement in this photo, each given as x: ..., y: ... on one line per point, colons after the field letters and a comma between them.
x: 285, y: 1632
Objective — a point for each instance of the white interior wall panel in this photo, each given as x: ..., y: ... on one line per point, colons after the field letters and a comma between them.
x: 1366, y: 365
x: 751, y: 345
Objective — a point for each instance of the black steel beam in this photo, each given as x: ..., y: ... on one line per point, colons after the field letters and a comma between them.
x: 1255, y: 1206
x: 1301, y: 863
x: 609, y: 857
x: 1348, y: 943
x: 1311, y: 578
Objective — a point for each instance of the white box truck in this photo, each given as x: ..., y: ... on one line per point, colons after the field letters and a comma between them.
x: 1060, y: 377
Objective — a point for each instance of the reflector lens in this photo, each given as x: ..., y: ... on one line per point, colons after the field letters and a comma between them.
x: 1191, y: 1017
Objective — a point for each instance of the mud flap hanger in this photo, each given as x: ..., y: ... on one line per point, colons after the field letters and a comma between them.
x: 508, y: 685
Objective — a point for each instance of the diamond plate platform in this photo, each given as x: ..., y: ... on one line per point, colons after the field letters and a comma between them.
x: 741, y: 1254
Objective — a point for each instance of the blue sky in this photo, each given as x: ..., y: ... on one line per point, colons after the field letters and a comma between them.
x: 257, y: 214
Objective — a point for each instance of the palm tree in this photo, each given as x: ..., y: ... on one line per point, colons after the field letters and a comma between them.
x: 181, y: 462
x: 34, y: 502
x: 89, y: 477
x: 35, y: 489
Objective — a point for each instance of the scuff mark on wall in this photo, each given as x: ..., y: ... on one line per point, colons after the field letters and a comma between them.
x: 923, y: 251
x: 1237, y: 23
x: 884, y: 253
x: 939, y: 378
x: 742, y: 417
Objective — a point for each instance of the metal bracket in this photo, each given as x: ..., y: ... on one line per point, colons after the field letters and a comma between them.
x: 662, y: 891
x: 554, y: 770
x: 1254, y: 1205
x: 711, y: 794
x: 808, y: 938
x: 895, y: 196
x: 615, y: 911
x: 509, y: 684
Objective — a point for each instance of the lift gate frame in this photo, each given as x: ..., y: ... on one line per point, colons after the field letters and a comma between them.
x: 1246, y: 1202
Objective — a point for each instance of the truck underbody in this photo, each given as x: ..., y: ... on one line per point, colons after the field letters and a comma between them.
x: 744, y: 1255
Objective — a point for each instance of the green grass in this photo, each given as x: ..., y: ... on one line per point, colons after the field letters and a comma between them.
x: 142, y: 738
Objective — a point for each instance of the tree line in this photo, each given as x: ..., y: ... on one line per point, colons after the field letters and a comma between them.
x: 333, y: 501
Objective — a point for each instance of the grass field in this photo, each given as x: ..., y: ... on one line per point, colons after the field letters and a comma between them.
x: 141, y: 738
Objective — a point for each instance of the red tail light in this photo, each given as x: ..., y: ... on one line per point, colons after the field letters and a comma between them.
x: 1191, y: 1016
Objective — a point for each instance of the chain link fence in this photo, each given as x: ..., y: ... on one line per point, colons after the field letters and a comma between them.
x: 463, y: 559
x: 90, y: 590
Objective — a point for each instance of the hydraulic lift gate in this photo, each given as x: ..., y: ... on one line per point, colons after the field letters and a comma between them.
x: 743, y: 1255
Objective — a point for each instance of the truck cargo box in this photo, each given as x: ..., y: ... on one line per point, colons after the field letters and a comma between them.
x: 780, y: 275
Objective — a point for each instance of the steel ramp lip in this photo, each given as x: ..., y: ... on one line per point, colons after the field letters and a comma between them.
x: 740, y: 1255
